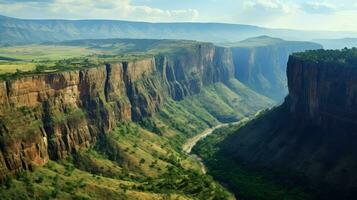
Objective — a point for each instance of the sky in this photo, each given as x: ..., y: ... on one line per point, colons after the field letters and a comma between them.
x: 335, y: 15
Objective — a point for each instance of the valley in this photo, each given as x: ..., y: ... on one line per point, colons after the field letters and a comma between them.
x: 191, y: 142
x: 294, y: 151
x: 117, y: 119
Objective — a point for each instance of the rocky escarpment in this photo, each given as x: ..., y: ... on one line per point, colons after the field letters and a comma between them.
x: 312, y: 136
x: 323, y: 93
x: 260, y: 63
x: 49, y: 116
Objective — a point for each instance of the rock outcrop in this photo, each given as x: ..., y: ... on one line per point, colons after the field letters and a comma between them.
x: 50, y: 116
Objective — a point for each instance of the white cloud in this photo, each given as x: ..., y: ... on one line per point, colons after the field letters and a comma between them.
x: 99, y: 9
x: 264, y: 12
x: 319, y: 7
x: 269, y: 6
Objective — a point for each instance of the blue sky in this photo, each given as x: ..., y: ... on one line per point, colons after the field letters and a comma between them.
x: 298, y: 14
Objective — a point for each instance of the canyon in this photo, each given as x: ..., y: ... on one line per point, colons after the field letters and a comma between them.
x: 67, y: 113
x: 63, y: 112
x: 310, y: 138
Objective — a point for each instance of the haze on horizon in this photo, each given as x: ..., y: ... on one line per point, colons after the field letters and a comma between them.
x: 332, y: 15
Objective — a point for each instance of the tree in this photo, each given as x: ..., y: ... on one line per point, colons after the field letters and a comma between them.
x: 18, y: 72
x: 40, y: 68
x: 8, y: 182
x: 142, y: 161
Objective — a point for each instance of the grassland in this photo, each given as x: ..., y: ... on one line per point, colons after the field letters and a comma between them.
x: 25, y: 59
x: 124, y: 46
x: 12, y: 67
x: 45, y: 52
x: 38, y: 58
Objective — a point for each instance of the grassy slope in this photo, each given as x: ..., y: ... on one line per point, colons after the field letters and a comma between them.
x: 132, y: 163
x: 245, y: 182
x: 216, y: 103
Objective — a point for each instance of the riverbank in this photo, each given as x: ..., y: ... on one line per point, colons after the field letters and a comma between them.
x: 188, y: 146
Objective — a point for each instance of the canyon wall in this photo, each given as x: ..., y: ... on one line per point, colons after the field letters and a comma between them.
x: 323, y: 93
x: 50, y: 116
x: 262, y: 66
x: 311, y: 138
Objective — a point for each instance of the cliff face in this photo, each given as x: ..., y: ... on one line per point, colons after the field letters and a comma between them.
x: 324, y: 94
x: 49, y: 116
x: 311, y: 136
x: 263, y: 67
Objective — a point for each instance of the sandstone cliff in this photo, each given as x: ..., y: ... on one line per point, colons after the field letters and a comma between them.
x: 49, y: 116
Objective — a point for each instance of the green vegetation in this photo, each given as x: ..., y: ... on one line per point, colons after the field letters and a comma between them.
x: 136, y: 46
x: 71, y: 114
x: 10, y: 70
x: 44, y: 52
x: 245, y: 182
x: 16, y: 61
x: 344, y: 57
x: 229, y: 102
x: 131, y: 163
x: 20, y: 120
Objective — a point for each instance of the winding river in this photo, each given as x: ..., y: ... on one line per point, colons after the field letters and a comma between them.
x: 188, y: 146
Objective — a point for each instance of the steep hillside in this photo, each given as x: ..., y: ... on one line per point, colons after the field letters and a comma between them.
x: 310, y: 140
x: 128, y: 163
x: 260, y: 63
x: 20, y: 31
x: 123, y: 120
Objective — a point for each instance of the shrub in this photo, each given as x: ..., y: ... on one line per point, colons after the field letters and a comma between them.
x: 142, y: 161
x: 39, y: 179
x: 54, y: 192
x: 8, y: 182
x: 40, y: 68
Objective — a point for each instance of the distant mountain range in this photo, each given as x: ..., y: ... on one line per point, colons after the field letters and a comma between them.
x: 23, y: 31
